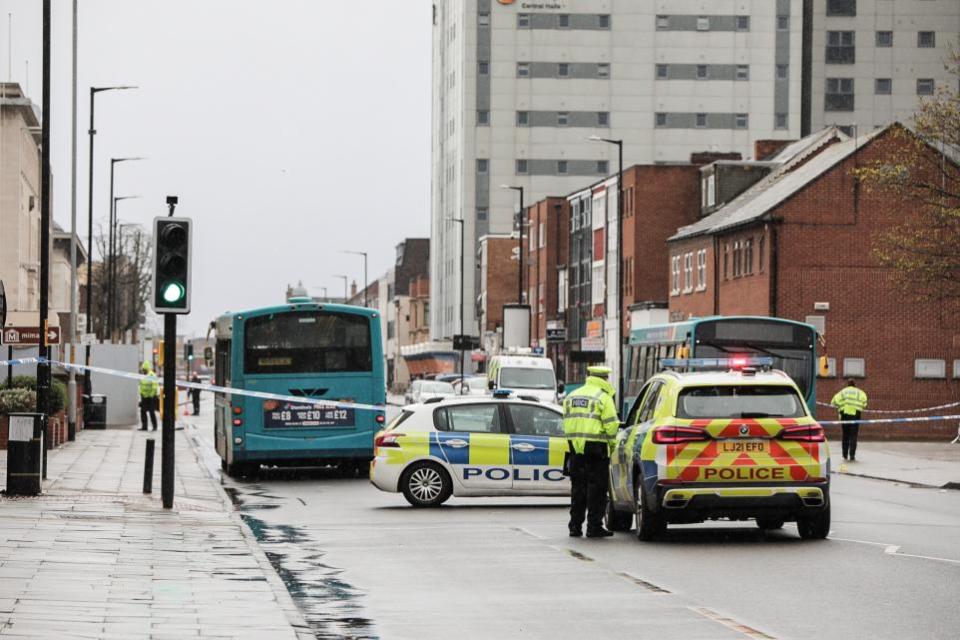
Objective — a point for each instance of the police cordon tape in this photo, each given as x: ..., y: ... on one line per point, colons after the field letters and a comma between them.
x: 891, y: 420
x: 330, y: 404
x: 892, y: 411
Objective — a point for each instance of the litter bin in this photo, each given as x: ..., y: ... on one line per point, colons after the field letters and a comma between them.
x: 95, y: 411
x: 25, y: 455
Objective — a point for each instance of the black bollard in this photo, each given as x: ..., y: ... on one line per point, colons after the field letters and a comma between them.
x: 148, y: 467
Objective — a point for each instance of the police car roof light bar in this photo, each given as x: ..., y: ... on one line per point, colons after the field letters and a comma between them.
x: 737, y: 362
x: 502, y: 393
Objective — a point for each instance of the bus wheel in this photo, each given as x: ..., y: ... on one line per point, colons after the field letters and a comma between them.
x: 426, y: 484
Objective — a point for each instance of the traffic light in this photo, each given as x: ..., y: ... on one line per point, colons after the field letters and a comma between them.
x: 189, y: 351
x: 171, y: 265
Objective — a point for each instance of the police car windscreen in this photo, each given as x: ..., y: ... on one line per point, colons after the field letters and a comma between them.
x: 741, y: 401
x: 307, y: 342
x: 522, y: 378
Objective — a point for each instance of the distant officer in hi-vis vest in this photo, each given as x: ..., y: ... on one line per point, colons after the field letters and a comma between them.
x: 850, y: 403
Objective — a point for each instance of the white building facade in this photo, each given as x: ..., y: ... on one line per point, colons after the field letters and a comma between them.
x: 518, y: 87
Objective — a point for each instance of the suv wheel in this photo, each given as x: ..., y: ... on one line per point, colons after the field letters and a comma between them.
x: 650, y: 525
x: 426, y: 484
x: 815, y: 527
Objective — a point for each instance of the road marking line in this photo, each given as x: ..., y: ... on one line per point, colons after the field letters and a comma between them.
x: 730, y: 623
x: 913, y: 555
x: 893, y: 548
x: 529, y: 533
x: 643, y: 583
x: 876, y: 544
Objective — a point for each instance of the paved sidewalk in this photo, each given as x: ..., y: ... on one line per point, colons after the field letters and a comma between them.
x: 932, y: 464
x: 95, y: 558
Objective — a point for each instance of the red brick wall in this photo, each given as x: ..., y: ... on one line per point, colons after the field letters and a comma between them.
x: 541, y: 263
x: 685, y: 305
x: 764, y: 149
x: 501, y: 285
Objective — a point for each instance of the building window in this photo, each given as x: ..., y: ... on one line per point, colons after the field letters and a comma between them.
x: 603, y: 167
x: 523, y: 118
x: 783, y: 72
x: 483, y: 117
x: 523, y: 20
x: 563, y: 20
x: 483, y: 19
x: 603, y: 70
x: 841, y: 47
x: 523, y: 69
x: 562, y: 167
x: 661, y: 72
x: 483, y: 165
x: 839, y: 94
x: 847, y: 8
x: 483, y: 68
x: 743, y: 72
x: 603, y: 21
x: 783, y: 23
x: 926, y: 39
x: 760, y: 248
x: 603, y: 118
x: 884, y: 38
x: 956, y: 369
x: 925, y: 86
x: 687, y: 272
x: 701, y: 120
x: 703, y: 23
x: 663, y: 22
x: 929, y: 368
x: 748, y: 257
x: 675, y: 275
x: 743, y: 23
x: 701, y: 269
x: 701, y: 72
x: 726, y: 260
x: 660, y: 119
x: 854, y: 368
x: 521, y: 167
x: 780, y: 121
x: 737, y: 265
x: 563, y: 118
x: 741, y: 121
x: 563, y: 70
x: 883, y: 86
x: 482, y: 213
x: 542, y: 235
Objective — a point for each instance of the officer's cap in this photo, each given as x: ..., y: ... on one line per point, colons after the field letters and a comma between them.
x: 600, y: 371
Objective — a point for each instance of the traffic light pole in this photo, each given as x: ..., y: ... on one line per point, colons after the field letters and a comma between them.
x: 167, y: 441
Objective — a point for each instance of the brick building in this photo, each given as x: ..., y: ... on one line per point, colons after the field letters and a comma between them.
x: 798, y: 245
x: 545, y: 254
x: 499, y: 281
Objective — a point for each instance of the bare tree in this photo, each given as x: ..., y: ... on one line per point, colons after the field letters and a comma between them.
x: 132, y: 286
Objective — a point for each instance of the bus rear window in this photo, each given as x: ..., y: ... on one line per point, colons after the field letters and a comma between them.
x: 740, y: 401
x: 307, y: 342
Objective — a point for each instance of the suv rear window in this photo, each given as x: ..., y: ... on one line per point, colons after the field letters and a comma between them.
x: 740, y: 401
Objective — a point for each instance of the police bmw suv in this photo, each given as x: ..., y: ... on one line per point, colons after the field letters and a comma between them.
x: 708, y: 445
x: 472, y: 446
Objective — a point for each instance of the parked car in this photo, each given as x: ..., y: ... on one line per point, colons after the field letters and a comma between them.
x: 471, y: 386
x: 412, y: 391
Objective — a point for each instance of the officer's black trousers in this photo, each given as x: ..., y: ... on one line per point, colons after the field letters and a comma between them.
x: 588, y: 486
x: 148, y: 405
x: 850, y: 433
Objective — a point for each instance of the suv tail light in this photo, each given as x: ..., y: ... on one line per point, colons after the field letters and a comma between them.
x: 387, y: 439
x: 679, y: 435
x: 803, y: 433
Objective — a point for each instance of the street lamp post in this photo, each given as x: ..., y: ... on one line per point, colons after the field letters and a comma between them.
x: 364, y: 254
x: 462, y: 259
x: 520, y: 245
x: 112, y: 247
x: 619, y: 144
x: 112, y: 275
x: 92, y: 131
x: 345, y: 298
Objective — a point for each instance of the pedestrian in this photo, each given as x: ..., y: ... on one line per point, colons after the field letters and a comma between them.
x: 149, y: 396
x: 195, y: 395
x: 590, y: 424
x: 850, y: 403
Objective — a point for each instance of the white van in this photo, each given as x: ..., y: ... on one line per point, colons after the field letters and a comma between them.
x: 524, y: 375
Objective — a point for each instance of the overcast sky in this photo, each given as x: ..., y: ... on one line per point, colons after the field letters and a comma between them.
x: 290, y: 129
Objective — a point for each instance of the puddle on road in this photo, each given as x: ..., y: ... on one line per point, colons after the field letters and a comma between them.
x: 329, y: 604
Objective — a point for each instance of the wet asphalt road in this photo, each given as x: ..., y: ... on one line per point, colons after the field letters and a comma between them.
x: 362, y: 564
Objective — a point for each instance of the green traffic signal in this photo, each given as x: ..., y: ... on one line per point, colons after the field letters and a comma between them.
x: 173, y: 292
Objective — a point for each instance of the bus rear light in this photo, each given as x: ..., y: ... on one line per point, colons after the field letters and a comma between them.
x: 679, y: 435
x: 380, y: 418
x: 387, y: 439
x: 237, y: 422
x: 803, y: 433
x: 237, y: 410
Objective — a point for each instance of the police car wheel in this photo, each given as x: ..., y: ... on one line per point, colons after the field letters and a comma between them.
x: 426, y: 484
x: 815, y: 527
x: 617, y: 520
x: 650, y: 525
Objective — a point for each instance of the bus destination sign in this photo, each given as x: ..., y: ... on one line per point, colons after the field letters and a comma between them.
x: 289, y: 415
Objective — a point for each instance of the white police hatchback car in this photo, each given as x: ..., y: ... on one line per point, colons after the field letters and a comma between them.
x: 495, y: 446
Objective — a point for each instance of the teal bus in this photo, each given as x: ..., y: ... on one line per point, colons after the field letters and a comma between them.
x: 792, y: 346
x: 302, y: 349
